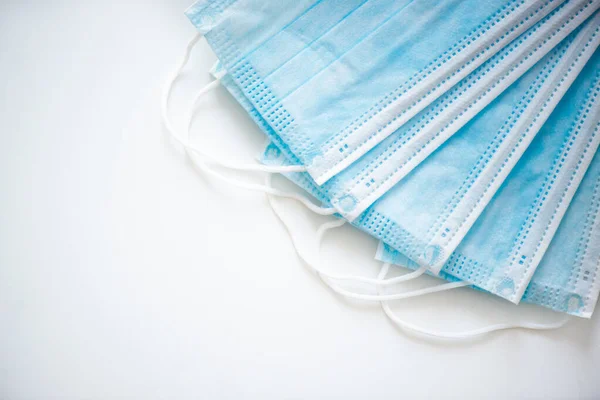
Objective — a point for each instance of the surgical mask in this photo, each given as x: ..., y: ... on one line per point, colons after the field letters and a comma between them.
x: 454, y: 184
x: 188, y: 148
x: 493, y: 328
x: 506, y: 244
x: 334, y: 78
x: 357, y: 187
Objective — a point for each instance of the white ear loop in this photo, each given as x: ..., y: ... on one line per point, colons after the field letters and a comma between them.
x: 433, y: 334
x: 198, y: 156
x: 355, y: 278
x: 384, y: 299
x: 252, y: 167
x: 328, y: 277
x: 168, y: 88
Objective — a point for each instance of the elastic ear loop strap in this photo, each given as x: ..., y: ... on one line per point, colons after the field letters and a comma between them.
x: 384, y: 299
x: 326, y: 276
x: 197, y: 156
x: 433, y: 334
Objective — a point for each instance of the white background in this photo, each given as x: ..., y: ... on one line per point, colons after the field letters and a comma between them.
x: 125, y: 274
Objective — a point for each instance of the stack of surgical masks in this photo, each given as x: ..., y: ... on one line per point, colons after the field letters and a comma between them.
x: 462, y: 134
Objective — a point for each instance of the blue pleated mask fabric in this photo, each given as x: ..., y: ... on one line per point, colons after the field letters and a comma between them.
x: 509, y: 239
x: 333, y: 78
x: 453, y: 185
x: 365, y: 181
x: 353, y: 190
x: 427, y: 214
x: 568, y: 277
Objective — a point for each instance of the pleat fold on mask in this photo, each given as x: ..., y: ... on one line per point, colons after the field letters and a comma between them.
x: 349, y: 85
x: 509, y: 240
